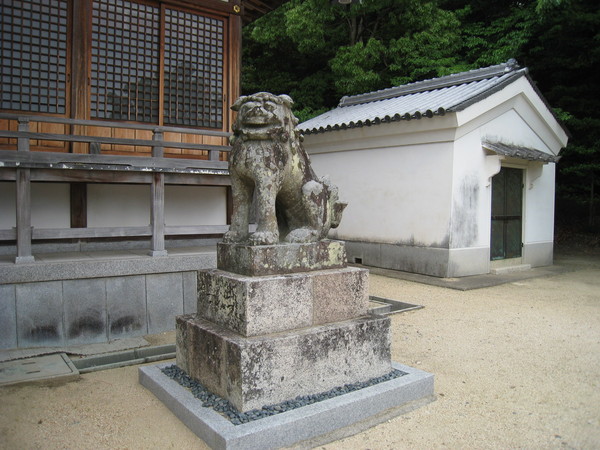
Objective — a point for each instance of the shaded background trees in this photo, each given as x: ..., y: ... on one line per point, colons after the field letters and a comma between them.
x: 318, y: 51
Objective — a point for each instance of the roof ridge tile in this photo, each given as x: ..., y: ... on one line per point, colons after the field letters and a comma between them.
x: 431, y: 84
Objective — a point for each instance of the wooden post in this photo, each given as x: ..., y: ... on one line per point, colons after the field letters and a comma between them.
x: 23, y: 180
x: 157, y: 194
x: 80, y: 69
x: 78, y: 194
x: 229, y: 205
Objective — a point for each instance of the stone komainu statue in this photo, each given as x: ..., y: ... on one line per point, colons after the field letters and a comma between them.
x: 269, y: 162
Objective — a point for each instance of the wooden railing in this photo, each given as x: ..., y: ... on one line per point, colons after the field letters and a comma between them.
x: 24, y: 166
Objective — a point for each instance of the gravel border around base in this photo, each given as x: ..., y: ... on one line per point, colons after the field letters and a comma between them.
x: 227, y: 410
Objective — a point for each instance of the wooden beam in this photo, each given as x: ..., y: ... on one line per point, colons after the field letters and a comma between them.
x: 23, y: 144
x: 157, y: 206
x: 23, y: 179
x: 43, y: 160
x: 78, y: 193
x: 81, y: 48
x: 229, y: 205
x: 122, y: 177
x: 82, y: 233
x: 157, y: 215
x: 111, y: 124
x: 195, y: 230
x: 235, y: 65
x: 23, y: 217
x: 90, y: 176
x: 8, y: 235
x: 115, y: 232
x: 111, y: 140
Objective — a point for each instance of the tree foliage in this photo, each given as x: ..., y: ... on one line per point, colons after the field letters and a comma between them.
x: 318, y: 51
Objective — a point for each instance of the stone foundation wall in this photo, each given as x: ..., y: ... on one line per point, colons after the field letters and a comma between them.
x: 76, y: 302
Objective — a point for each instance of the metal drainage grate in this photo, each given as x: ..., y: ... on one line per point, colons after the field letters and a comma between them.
x: 380, y: 305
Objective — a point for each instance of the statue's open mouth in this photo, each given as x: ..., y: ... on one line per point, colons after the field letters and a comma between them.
x: 258, y: 117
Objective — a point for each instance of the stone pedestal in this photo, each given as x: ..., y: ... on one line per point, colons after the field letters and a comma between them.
x: 257, y: 260
x: 277, y: 322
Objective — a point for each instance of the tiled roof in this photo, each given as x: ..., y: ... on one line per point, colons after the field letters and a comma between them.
x: 529, y: 154
x: 429, y: 98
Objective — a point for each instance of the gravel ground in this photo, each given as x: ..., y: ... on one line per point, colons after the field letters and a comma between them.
x: 516, y: 366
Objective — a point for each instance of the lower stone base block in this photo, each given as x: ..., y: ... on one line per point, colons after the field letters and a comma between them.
x: 257, y: 371
x: 309, y: 426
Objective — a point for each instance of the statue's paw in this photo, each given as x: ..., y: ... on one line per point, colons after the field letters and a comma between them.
x: 302, y: 236
x: 234, y: 236
x: 264, y: 238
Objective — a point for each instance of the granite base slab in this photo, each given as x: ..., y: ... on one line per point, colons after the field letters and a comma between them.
x: 307, y: 426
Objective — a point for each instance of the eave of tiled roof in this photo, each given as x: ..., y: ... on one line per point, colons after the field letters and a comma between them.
x: 515, y: 151
x: 428, y: 98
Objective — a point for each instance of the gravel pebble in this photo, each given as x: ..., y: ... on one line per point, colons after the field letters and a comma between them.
x: 221, y: 405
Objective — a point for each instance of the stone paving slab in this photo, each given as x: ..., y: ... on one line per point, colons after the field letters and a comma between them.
x: 48, y: 368
x: 312, y: 425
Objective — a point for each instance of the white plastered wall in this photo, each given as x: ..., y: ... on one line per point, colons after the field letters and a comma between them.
x: 195, y: 205
x: 50, y: 203
x: 396, y: 193
x: 119, y: 205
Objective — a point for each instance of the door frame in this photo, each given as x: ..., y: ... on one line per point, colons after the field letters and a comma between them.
x: 517, y: 259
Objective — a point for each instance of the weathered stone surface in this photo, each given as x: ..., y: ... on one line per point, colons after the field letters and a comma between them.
x: 269, y: 163
x: 253, y: 306
x: 84, y: 304
x: 8, y: 312
x: 126, y: 303
x: 40, y: 314
x: 280, y: 259
x: 164, y: 300
x: 190, y: 292
x: 257, y: 371
x: 340, y: 294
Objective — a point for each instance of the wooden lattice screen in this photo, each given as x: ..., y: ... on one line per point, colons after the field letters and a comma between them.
x: 125, y: 61
x: 126, y: 76
x: 33, y: 55
x: 193, y: 69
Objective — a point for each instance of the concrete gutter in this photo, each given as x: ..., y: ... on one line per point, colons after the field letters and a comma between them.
x: 60, y: 368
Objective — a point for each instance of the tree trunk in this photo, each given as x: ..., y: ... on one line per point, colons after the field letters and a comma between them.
x: 592, y: 205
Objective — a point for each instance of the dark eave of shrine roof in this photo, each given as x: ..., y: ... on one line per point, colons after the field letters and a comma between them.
x: 254, y: 9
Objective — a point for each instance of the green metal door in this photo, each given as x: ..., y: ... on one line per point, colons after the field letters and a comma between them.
x: 507, y: 213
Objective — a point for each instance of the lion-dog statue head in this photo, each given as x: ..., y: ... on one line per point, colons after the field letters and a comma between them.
x: 269, y: 164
